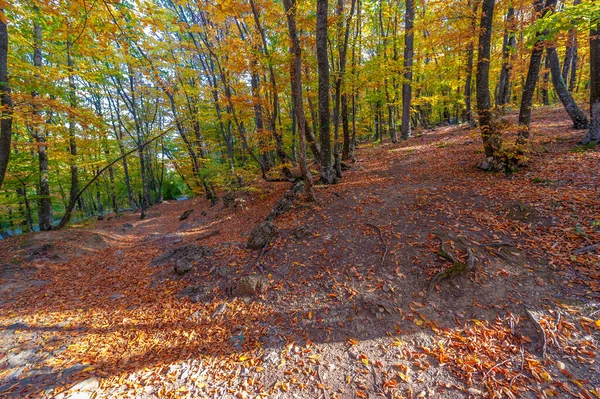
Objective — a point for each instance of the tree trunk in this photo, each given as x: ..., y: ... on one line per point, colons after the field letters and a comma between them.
x: 533, y: 72
x: 72, y: 143
x: 492, y: 140
x: 570, y: 51
x: 45, y: 203
x: 545, y: 82
x: 296, y: 79
x: 6, y: 115
x: 575, y: 113
x: 593, y: 134
x: 323, y: 68
x: 408, y: 61
x: 508, y: 43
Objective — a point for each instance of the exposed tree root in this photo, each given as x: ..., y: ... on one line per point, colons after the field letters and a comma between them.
x: 540, y: 329
x: 382, y: 241
x: 589, y: 248
x: 456, y: 269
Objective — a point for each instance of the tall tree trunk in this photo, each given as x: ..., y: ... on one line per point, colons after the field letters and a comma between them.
x: 6, y: 115
x: 571, y: 49
x: 45, y: 203
x: 323, y: 69
x: 408, y: 61
x: 508, y: 43
x: 492, y: 140
x: 72, y: 140
x: 533, y: 72
x: 575, y: 113
x: 593, y: 134
x: 296, y: 79
x: 545, y: 82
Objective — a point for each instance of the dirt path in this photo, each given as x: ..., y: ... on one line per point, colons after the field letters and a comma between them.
x: 345, y: 312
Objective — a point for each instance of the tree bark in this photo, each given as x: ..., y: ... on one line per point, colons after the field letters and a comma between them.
x: 575, y: 113
x: 6, y: 114
x: 323, y: 103
x: 45, y: 202
x: 72, y: 141
x: 409, y: 38
x: 296, y: 81
x: 533, y: 72
x: 593, y: 134
x: 508, y: 43
x: 492, y: 141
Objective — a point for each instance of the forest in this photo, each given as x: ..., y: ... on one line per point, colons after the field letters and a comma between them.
x: 426, y: 172
x: 111, y: 106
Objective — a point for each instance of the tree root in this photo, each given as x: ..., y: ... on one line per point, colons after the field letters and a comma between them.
x: 456, y: 269
x: 382, y: 241
x: 540, y: 329
x: 262, y: 252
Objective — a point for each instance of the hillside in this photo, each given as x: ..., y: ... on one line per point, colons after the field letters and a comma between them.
x: 337, y: 305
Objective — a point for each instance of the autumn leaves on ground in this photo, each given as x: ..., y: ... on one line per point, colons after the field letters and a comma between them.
x: 341, y: 308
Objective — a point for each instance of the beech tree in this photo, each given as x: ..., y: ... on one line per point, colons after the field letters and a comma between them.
x: 5, y: 115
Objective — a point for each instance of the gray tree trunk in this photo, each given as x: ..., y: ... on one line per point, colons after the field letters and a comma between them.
x: 45, y: 202
x: 323, y: 68
x: 409, y: 38
x: 492, y: 141
x: 503, y: 92
x: 575, y: 113
x: 593, y: 134
x: 6, y: 122
x: 296, y: 81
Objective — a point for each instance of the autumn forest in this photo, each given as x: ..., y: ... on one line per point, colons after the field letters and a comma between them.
x: 167, y: 165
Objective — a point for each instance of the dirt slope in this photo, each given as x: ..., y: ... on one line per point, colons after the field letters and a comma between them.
x: 344, y: 312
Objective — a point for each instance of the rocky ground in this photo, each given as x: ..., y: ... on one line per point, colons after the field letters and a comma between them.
x: 331, y: 300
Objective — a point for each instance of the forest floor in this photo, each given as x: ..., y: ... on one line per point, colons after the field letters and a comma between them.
x: 343, y: 311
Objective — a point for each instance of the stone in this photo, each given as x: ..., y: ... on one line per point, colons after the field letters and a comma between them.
x: 228, y: 199
x: 183, y: 266
x: 261, y: 235
x: 84, y: 389
x: 196, y: 293
x: 183, y: 258
x: 249, y: 286
x: 186, y: 214
x: 223, y: 271
x: 302, y: 232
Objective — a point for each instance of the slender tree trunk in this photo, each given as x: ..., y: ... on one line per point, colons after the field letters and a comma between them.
x: 571, y: 50
x: 296, y: 79
x: 492, y: 140
x: 575, y: 113
x: 593, y: 134
x: 6, y: 115
x: 533, y: 72
x: 508, y: 44
x: 409, y: 38
x: 72, y: 139
x: 45, y: 203
x: 323, y: 68
x: 545, y: 82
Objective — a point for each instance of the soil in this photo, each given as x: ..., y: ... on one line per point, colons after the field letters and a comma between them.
x: 342, y: 310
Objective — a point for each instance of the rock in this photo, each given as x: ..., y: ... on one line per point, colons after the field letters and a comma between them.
x: 183, y: 266
x: 228, y: 199
x: 223, y: 271
x: 186, y: 214
x: 196, y: 293
x: 249, y: 286
x: 183, y: 258
x: 271, y: 358
x: 220, y: 309
x: 475, y: 392
x: 203, y: 213
x: 116, y: 296
x: 127, y: 226
x: 262, y: 234
x: 85, y: 389
x: 303, y: 231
